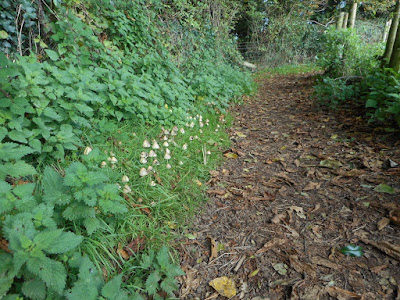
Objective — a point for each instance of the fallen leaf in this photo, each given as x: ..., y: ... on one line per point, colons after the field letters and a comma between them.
x: 190, y: 236
x: 4, y: 245
x: 281, y: 268
x: 135, y: 245
x: 299, y: 211
x: 385, y: 247
x: 330, y: 163
x: 271, y: 244
x: 312, y: 186
x: 239, y: 134
x: 384, y: 188
x: 341, y: 294
x: 214, y: 249
x: 216, y: 192
x: 317, y: 260
x: 383, y: 223
x: 122, y: 252
x: 394, y: 216
x: 231, y: 155
x: 254, y: 273
x: 302, y: 267
x: 224, y: 286
x: 278, y: 218
x: 189, y: 282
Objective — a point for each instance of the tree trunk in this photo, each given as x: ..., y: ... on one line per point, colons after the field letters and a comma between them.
x: 394, y: 62
x: 386, y: 30
x: 353, y: 14
x: 392, y: 35
x: 345, y: 20
x: 339, y: 24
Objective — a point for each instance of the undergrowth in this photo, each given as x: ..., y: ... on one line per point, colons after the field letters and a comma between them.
x: 106, y: 141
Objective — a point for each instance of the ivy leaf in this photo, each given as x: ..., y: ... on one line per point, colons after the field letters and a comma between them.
x: 352, y: 250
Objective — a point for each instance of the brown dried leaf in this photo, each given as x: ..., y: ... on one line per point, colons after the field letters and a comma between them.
x: 302, y: 267
x: 317, y: 260
x: 231, y: 155
x: 4, y: 245
x: 216, y: 192
x: 385, y: 247
x: 383, y: 223
x: 271, y: 244
x: 135, y: 246
x: 394, y: 216
x: 312, y: 186
x: 213, y: 250
x: 278, y: 218
x: 189, y: 282
x: 341, y: 294
x: 122, y: 252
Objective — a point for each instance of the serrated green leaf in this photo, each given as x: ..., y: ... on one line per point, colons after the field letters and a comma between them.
x: 18, y: 169
x: 52, y: 272
x: 13, y: 151
x: 169, y: 285
x: 54, y: 190
x: 352, y: 250
x: 384, y: 188
x: 112, y: 289
x: 152, y: 283
x: 91, y: 224
x: 163, y: 257
x: 64, y: 243
x: 34, y: 289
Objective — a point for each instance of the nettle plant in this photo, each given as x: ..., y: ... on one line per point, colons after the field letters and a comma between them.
x: 36, y: 224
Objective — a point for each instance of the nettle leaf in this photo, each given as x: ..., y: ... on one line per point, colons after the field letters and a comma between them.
x: 352, y: 250
x: 7, y: 199
x: 169, y: 285
x: 52, y: 272
x: 91, y: 224
x: 152, y: 283
x: 64, y: 243
x: 163, y: 257
x: 112, y: 289
x: 78, y: 211
x: 88, y: 284
x: 55, y: 191
x: 18, y: 169
x: 35, y: 289
x: 13, y: 151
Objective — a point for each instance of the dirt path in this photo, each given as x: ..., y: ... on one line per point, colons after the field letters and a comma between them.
x: 297, y: 185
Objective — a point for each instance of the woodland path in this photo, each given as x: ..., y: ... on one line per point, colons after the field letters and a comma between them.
x: 298, y: 184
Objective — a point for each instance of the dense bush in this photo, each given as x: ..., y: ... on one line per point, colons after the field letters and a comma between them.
x: 353, y: 72
x: 104, y: 64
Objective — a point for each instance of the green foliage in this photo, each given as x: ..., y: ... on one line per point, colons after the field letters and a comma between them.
x: 103, y: 64
x: 345, y: 54
x: 333, y: 92
x: 382, y: 97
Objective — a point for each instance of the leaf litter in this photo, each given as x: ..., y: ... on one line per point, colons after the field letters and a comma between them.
x: 330, y: 181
